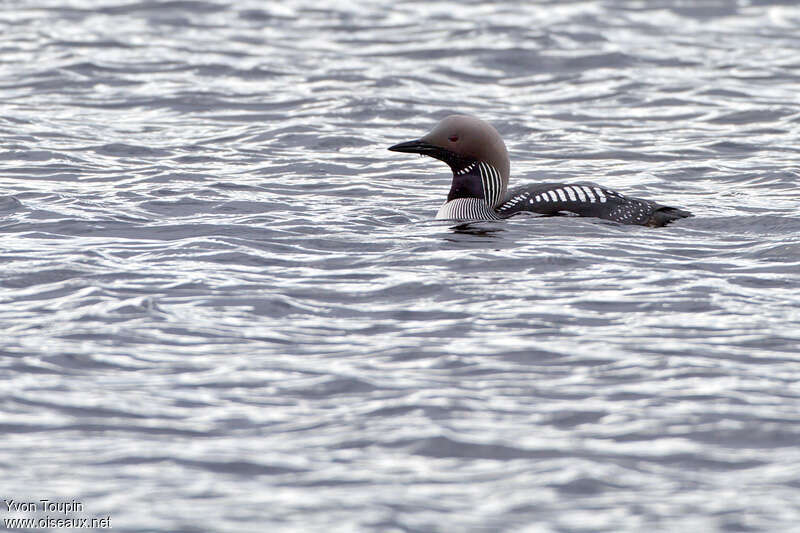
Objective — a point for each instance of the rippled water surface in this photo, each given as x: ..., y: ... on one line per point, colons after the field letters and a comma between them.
x: 225, y: 305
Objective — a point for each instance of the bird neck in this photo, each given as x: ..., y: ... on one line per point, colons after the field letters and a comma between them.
x: 477, y: 179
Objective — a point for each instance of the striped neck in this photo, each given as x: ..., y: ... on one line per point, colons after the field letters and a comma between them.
x: 476, y: 179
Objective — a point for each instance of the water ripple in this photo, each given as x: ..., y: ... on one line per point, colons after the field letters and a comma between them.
x: 220, y: 290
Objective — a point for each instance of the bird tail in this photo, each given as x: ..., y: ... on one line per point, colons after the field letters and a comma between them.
x: 664, y: 215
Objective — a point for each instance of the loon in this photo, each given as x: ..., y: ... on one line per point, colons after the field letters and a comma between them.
x: 479, y: 160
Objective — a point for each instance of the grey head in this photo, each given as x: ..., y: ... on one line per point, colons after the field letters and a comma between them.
x: 474, y: 151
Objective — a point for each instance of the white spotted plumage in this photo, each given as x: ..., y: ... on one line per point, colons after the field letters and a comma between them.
x: 600, y: 194
x: 579, y: 196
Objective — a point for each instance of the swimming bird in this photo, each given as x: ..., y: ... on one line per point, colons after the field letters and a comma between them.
x: 479, y: 160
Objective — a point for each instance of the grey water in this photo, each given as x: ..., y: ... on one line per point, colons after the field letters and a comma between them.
x: 225, y: 306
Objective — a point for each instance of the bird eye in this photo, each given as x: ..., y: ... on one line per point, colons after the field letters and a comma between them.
x: 453, y: 138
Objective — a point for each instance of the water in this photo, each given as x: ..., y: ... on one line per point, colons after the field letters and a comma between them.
x: 225, y: 306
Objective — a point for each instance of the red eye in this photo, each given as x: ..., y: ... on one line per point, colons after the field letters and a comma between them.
x: 453, y: 138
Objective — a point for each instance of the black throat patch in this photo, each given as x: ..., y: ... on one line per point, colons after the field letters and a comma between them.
x: 466, y: 181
